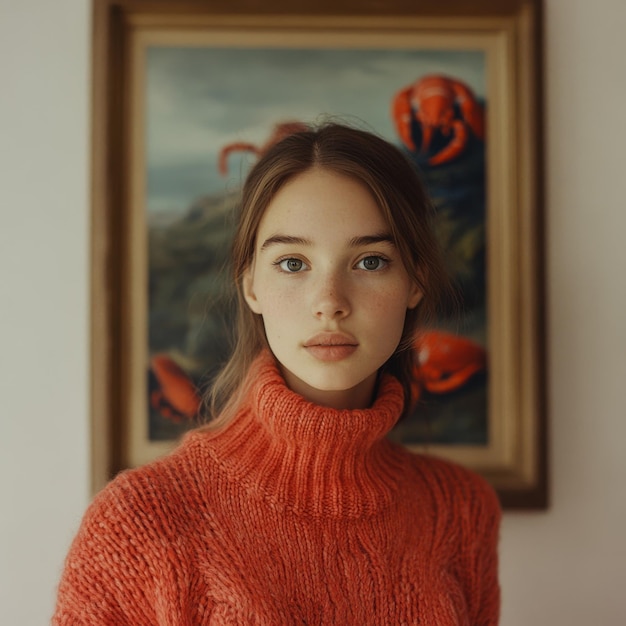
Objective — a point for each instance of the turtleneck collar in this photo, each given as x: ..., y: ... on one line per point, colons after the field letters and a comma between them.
x: 308, y: 458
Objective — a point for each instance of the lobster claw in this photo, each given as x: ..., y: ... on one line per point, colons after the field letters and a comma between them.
x: 455, y: 147
x: 402, y: 115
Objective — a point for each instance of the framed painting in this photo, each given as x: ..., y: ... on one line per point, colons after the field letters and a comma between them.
x: 187, y: 95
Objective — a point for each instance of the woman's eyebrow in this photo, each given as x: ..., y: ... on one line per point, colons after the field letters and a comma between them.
x: 287, y: 239
x: 368, y: 240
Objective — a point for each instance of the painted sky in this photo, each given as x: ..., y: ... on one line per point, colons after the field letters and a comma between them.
x: 200, y: 99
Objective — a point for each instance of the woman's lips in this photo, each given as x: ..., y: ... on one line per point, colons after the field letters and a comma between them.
x: 331, y: 347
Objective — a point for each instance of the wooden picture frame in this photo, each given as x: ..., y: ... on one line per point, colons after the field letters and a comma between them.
x: 508, y: 34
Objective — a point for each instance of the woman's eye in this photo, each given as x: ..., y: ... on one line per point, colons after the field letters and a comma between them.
x: 371, y: 263
x: 291, y: 265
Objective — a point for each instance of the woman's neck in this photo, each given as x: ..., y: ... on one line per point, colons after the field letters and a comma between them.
x: 358, y: 397
x: 309, y: 458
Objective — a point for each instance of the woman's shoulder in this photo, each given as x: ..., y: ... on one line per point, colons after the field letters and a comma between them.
x: 158, y: 494
x: 456, y: 484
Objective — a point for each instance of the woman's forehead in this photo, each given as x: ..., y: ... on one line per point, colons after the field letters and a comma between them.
x: 320, y: 200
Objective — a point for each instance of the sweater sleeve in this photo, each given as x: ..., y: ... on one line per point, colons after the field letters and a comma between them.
x: 482, y: 526
x: 103, y: 579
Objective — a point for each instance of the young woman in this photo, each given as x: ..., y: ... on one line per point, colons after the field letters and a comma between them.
x: 291, y: 506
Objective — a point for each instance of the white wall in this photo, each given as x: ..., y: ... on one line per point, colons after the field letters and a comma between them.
x: 44, y: 210
x: 569, y: 566
x: 566, y: 566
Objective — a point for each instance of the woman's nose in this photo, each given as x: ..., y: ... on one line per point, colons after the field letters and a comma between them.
x: 330, y: 298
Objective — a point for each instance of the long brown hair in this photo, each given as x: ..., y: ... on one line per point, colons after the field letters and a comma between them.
x: 395, y: 185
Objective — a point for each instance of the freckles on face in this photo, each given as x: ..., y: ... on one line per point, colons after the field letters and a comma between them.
x: 330, y: 286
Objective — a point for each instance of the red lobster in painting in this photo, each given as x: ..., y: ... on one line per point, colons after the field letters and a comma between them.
x: 175, y: 397
x: 445, y: 362
x: 438, y: 104
x: 279, y: 132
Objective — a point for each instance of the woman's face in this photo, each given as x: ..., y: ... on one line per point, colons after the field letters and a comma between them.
x: 330, y: 286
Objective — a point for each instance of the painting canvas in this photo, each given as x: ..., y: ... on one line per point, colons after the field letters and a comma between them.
x: 211, y: 111
x: 186, y: 100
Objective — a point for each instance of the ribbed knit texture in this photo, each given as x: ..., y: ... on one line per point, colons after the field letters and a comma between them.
x: 290, y: 514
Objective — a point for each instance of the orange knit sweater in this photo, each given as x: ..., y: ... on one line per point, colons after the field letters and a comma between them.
x: 290, y: 514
